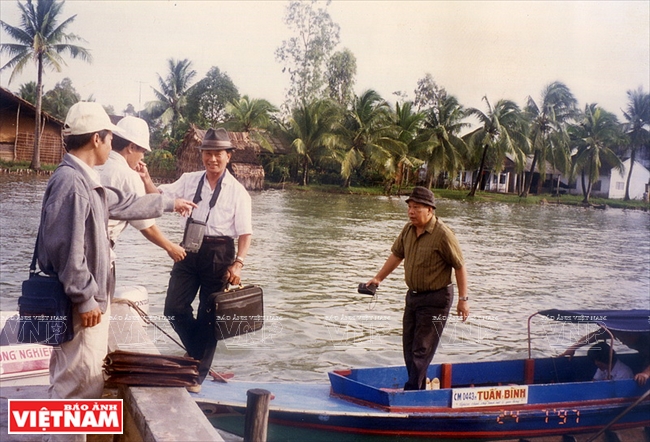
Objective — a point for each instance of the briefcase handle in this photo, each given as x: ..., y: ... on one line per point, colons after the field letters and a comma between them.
x: 232, y: 288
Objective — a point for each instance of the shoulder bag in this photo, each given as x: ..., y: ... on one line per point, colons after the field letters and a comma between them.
x: 45, y: 311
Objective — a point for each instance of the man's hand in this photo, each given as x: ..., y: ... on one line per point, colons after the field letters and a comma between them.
x: 176, y: 252
x: 142, y: 170
x: 374, y: 281
x: 569, y: 352
x: 184, y: 207
x: 642, y: 378
x: 234, y: 273
x: 91, y: 318
x: 462, y: 309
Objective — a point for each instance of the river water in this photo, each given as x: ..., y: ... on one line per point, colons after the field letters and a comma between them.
x: 310, y: 250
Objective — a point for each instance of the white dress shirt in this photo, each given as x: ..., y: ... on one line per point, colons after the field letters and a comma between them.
x: 232, y: 214
x: 117, y: 173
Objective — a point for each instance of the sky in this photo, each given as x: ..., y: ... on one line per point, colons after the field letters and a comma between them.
x: 497, y: 49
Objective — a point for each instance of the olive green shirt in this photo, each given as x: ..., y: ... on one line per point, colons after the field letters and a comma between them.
x: 428, y: 259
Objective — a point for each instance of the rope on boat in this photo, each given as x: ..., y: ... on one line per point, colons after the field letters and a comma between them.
x: 145, y: 317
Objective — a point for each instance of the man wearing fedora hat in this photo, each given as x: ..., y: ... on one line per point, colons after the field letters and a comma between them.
x: 125, y: 170
x: 73, y: 245
x: 224, y: 208
x: 430, y: 251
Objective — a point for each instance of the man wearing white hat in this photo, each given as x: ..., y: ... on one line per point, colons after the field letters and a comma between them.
x: 130, y: 143
x: 73, y: 245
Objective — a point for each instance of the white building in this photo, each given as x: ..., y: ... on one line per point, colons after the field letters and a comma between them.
x: 612, y: 184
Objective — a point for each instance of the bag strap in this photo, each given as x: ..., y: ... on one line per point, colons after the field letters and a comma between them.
x: 32, y: 266
x: 215, y: 194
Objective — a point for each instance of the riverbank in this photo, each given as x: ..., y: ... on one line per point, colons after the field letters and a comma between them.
x: 22, y: 168
x: 461, y: 195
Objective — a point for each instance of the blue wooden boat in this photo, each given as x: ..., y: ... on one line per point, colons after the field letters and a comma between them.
x: 476, y: 400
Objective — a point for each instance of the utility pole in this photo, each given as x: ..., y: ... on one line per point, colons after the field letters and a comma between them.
x: 140, y: 96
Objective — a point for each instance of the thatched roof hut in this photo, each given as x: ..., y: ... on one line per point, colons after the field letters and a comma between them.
x: 17, y: 124
x: 244, y: 164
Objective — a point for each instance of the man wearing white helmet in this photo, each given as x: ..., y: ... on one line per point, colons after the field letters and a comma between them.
x: 73, y: 246
x: 123, y: 171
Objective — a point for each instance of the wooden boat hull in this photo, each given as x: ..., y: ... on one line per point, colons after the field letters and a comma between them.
x: 349, y: 406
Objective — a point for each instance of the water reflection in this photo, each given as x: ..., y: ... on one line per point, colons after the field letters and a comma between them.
x: 310, y: 251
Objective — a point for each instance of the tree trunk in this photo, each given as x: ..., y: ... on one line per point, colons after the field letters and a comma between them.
x: 479, y: 175
x: 429, y: 181
x: 305, y: 171
x: 36, y: 157
x: 629, y: 176
x: 529, y: 179
x: 398, y: 176
x: 586, y: 187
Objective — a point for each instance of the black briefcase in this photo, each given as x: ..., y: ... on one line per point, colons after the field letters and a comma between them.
x: 237, y: 311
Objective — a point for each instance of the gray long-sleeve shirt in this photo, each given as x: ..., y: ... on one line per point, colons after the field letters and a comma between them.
x: 73, y: 241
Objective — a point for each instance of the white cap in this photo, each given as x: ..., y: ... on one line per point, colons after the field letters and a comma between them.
x: 86, y: 117
x: 135, y: 130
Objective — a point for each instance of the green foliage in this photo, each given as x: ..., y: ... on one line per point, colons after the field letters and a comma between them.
x: 42, y: 38
x: 207, y: 99
x: 246, y: 114
x: 637, y: 127
x: 447, y: 152
x: 365, y: 136
x: 161, y: 163
x: 304, y: 54
x: 57, y: 101
x: 593, y: 139
x: 17, y: 166
x: 503, y: 131
x: 341, y: 69
x: 28, y: 92
x: 172, y: 96
x: 548, y: 129
x: 312, y: 128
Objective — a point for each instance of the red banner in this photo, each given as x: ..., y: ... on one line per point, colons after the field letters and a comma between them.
x: 29, y: 416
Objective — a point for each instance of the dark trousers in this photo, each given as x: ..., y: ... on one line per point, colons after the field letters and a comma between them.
x: 205, y: 272
x: 425, y: 316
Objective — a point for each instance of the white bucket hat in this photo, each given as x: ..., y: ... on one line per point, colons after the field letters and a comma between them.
x: 86, y: 117
x: 135, y: 130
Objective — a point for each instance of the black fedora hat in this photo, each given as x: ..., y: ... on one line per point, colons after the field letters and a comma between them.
x: 422, y: 195
x: 216, y: 139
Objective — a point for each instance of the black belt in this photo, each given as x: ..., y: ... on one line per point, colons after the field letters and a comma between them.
x: 217, y: 239
x: 428, y: 292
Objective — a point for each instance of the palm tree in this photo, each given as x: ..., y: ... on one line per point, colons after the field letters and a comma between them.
x: 443, y: 124
x: 251, y: 115
x: 247, y: 114
x: 408, y: 139
x: 592, y: 137
x: 548, y: 135
x: 366, y: 131
x: 502, y: 128
x: 312, y: 128
x: 638, y: 123
x: 172, y: 96
x: 40, y: 38
x: 27, y: 92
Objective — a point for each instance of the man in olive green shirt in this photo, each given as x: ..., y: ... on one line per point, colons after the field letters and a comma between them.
x: 430, y: 251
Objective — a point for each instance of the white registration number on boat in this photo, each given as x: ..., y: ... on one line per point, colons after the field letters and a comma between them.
x: 489, y: 396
